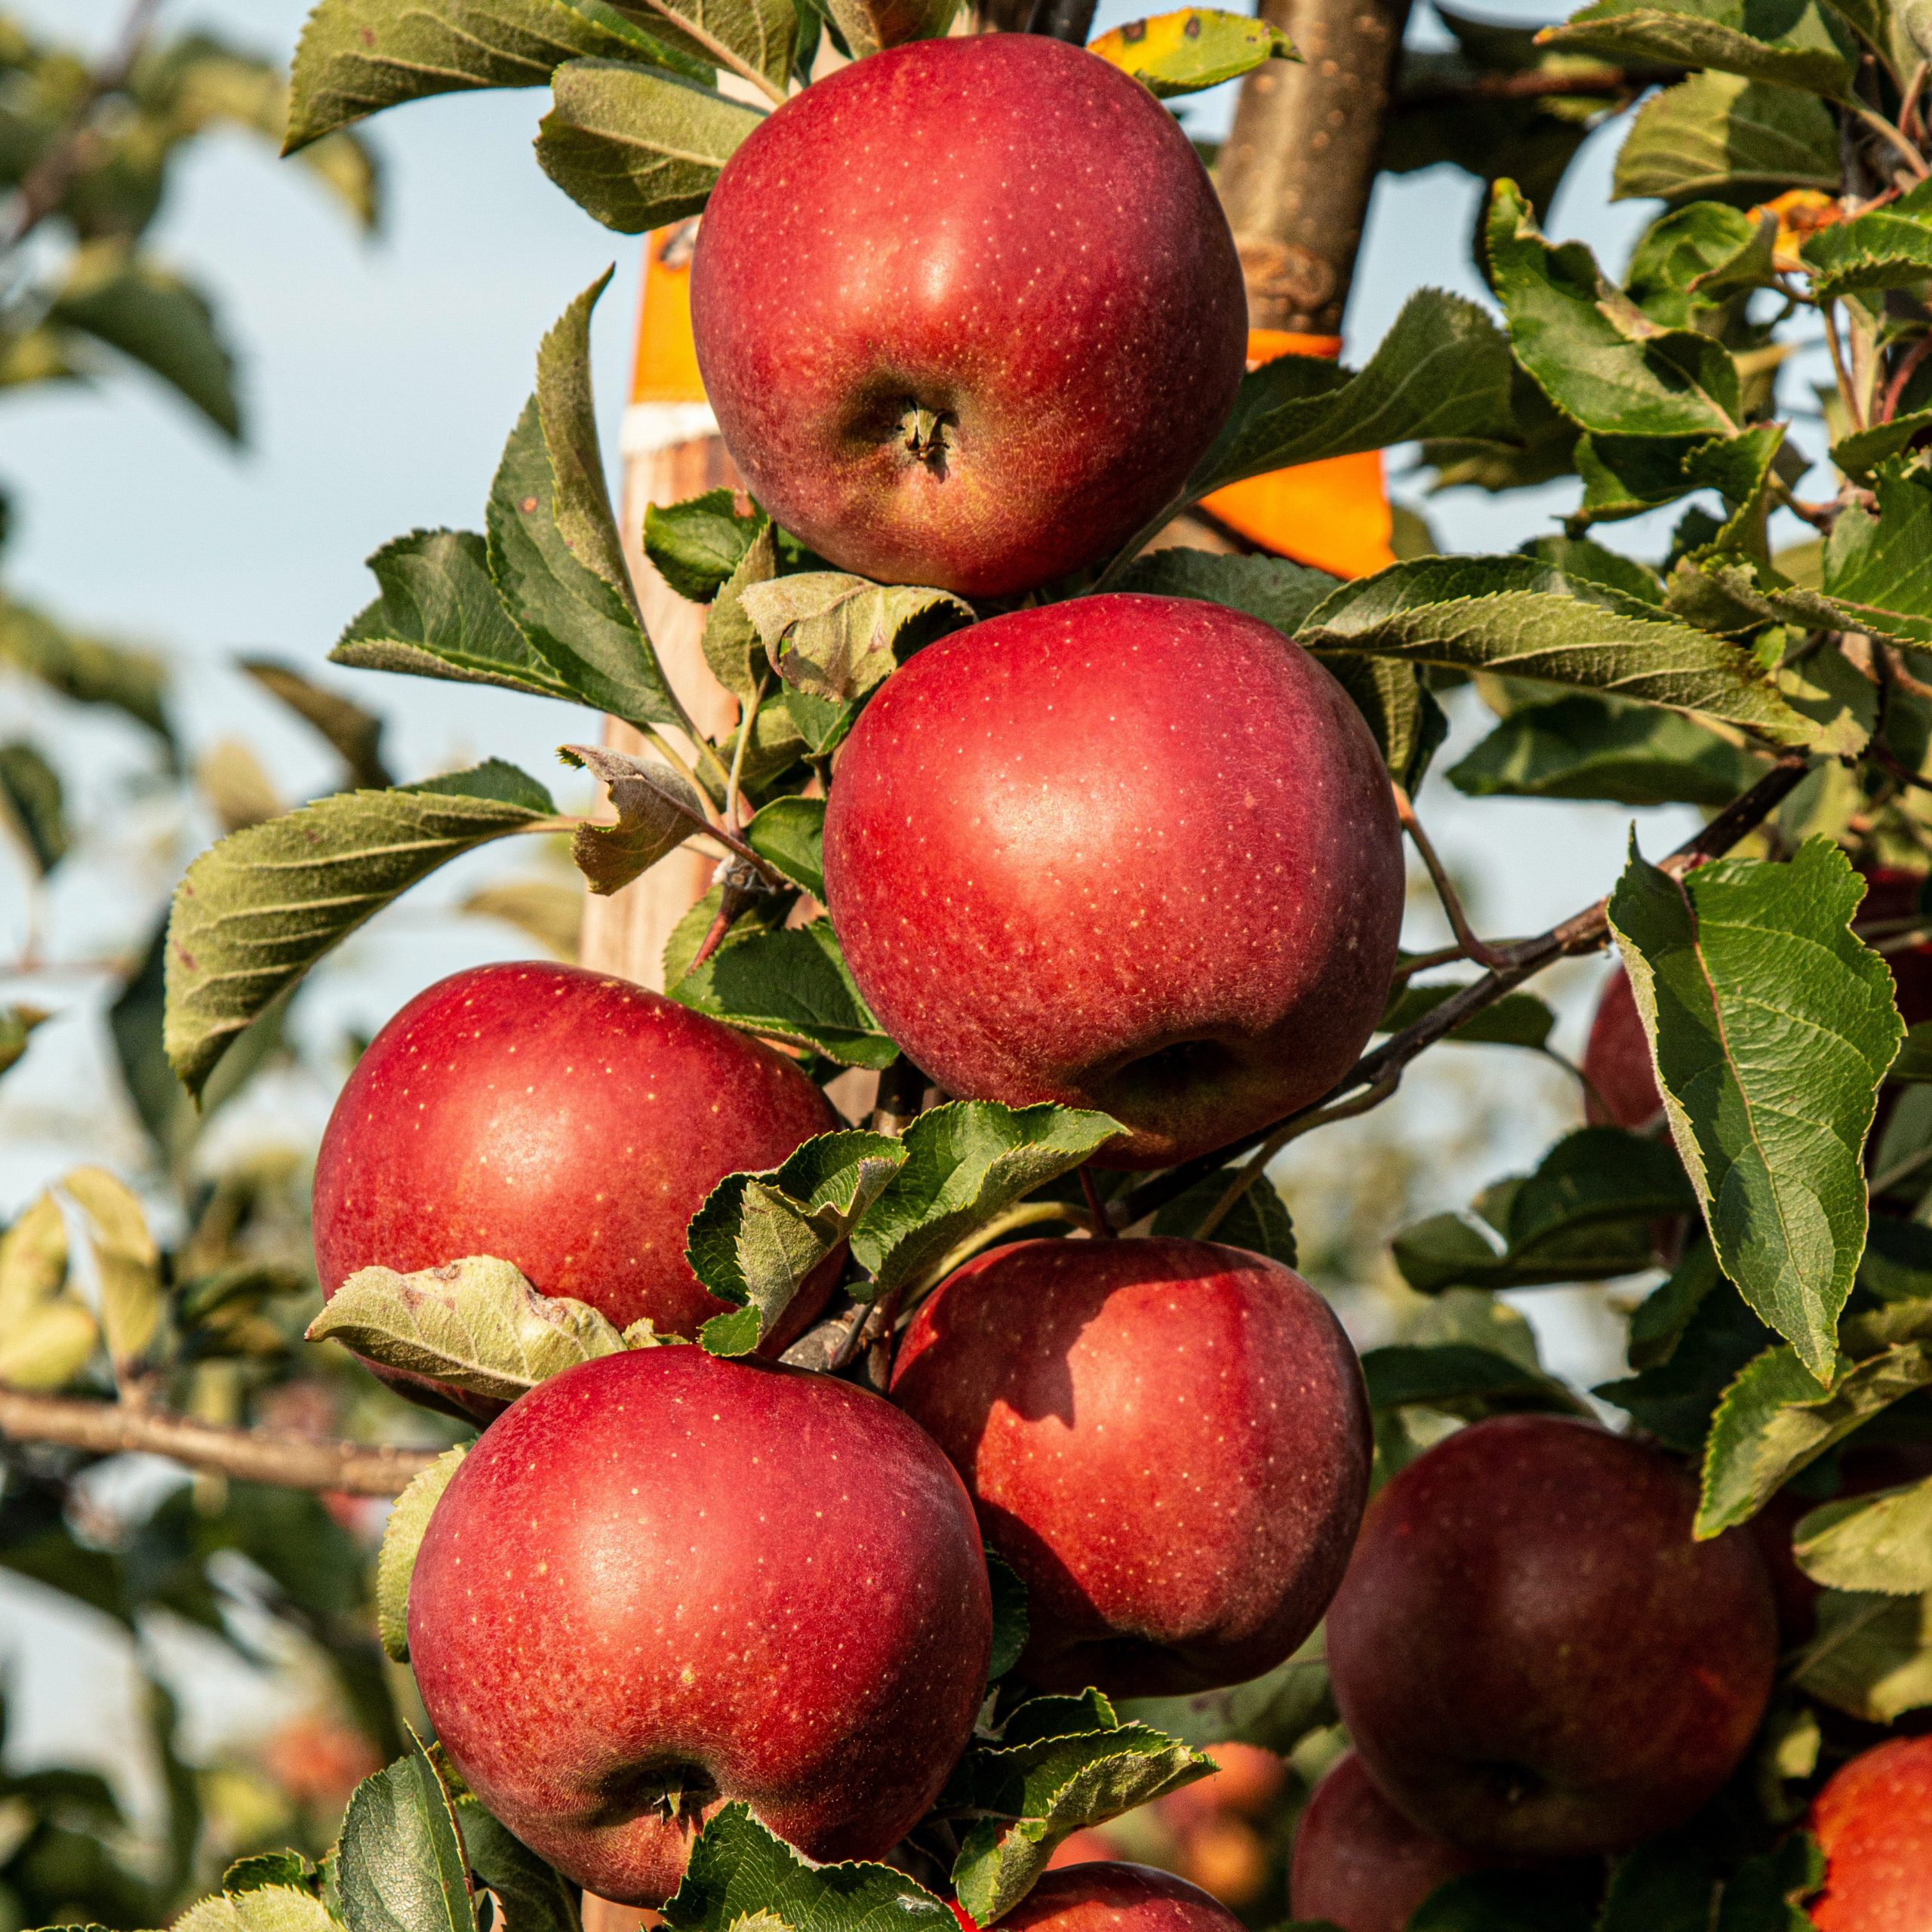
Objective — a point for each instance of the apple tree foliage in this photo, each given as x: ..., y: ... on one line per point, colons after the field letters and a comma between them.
x: 1785, y: 689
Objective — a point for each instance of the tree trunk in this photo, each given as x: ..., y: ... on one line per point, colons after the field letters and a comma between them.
x: 1296, y: 172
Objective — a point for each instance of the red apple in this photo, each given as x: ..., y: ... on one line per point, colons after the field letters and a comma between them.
x: 1167, y: 1439
x: 661, y: 1582
x: 1359, y: 1862
x: 1531, y: 1654
x: 1136, y: 853
x: 968, y: 313
x: 1108, y: 1897
x: 564, y: 1120
x: 1617, y: 1059
x: 1873, y: 1822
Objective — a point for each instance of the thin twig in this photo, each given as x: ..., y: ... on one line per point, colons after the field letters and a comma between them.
x: 1292, y: 1129
x: 1533, y: 86
x: 1479, y: 950
x: 1915, y: 161
x: 39, y: 194
x: 1888, y: 406
x: 253, y: 1455
x: 1854, y: 406
x: 746, y: 720
x: 1583, y: 932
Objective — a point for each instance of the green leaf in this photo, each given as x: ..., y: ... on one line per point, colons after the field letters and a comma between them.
x: 792, y: 985
x: 789, y: 833
x: 1519, y: 617
x: 1873, y: 1656
x: 1589, y: 747
x: 755, y: 38
x: 759, y: 1235
x: 740, y: 1876
x: 287, y: 1868
x: 1584, y: 1215
x: 1038, y: 1788
x: 1011, y: 1627
x: 635, y: 149
x: 16, y: 1024
x: 48, y: 1332
x: 399, y: 1863
x: 31, y: 804
x: 475, y: 1324
x: 1881, y: 1542
x: 1276, y: 1711
x: 439, y: 616
x: 127, y: 1264
x: 835, y: 636
x: 1719, y: 133
x: 355, y: 735
x: 965, y: 1162
x: 1197, y: 48
x: 86, y: 669
x: 154, y: 318
x: 1258, y: 1222
x: 531, y: 1895
x: 358, y: 56
x: 258, y: 1908
x: 1775, y: 1419
x: 257, y: 910
x: 1517, y: 1019
x: 402, y: 1537
x: 1667, y: 1885
x: 1913, y: 1064
x: 697, y: 545
x: 1803, y: 45
x: 1594, y: 353
x: 1769, y: 1099
x: 869, y: 26
x: 554, y: 549
x: 1878, y: 570
x: 1533, y: 1901
x: 657, y: 809
x: 1689, y: 262
x: 732, y: 647
x: 1766, y: 1893
x: 1887, y: 248
x: 1442, y: 370
x: 1461, y: 1379
x: 1864, y: 450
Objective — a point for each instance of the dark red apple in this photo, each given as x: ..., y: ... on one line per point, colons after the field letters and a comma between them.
x: 661, y: 1582
x: 564, y: 1120
x: 1617, y: 1059
x: 1532, y: 1655
x: 968, y: 313
x: 1136, y: 853
x: 1167, y: 1439
x: 1873, y: 1822
x: 1109, y: 1896
x: 1359, y: 1862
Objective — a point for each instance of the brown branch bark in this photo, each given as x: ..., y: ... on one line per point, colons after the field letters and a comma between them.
x: 1583, y: 932
x: 1297, y: 168
x: 253, y: 1455
x: 1533, y: 85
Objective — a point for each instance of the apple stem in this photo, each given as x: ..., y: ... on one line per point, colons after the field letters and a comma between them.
x: 1479, y: 950
x: 1103, y: 1228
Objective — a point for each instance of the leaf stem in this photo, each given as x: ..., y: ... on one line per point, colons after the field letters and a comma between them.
x: 748, y: 718
x: 1914, y: 161
x: 724, y: 56
x: 1854, y: 406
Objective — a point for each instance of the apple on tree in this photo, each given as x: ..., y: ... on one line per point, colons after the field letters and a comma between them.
x: 1533, y: 1656
x: 563, y: 1121
x: 1873, y: 1822
x: 1111, y: 1896
x: 663, y: 1581
x: 968, y: 313
x: 1361, y: 1863
x: 1168, y: 1440
x: 1134, y: 853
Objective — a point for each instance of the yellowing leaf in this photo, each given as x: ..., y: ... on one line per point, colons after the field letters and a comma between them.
x: 1195, y: 47
x: 125, y: 1252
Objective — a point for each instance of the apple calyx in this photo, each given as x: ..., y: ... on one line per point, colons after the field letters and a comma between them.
x: 928, y: 435
x: 681, y: 1790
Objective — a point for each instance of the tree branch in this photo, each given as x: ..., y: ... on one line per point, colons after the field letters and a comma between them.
x: 1532, y: 85
x: 1583, y: 932
x: 253, y: 1455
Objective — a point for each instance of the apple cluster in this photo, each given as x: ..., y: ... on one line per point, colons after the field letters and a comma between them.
x: 1132, y: 854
